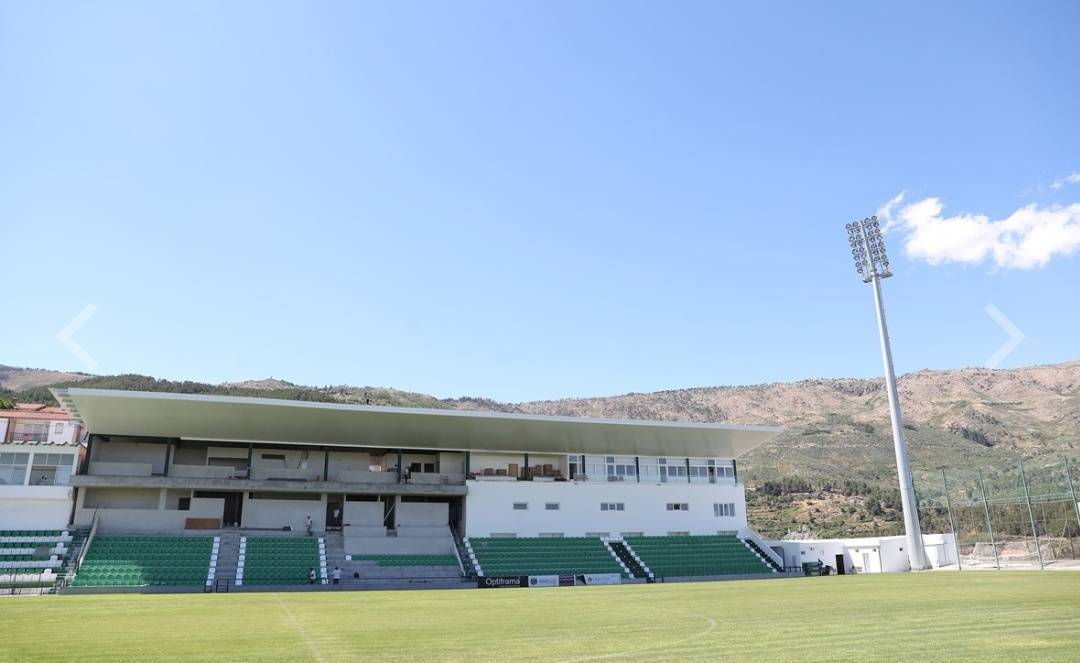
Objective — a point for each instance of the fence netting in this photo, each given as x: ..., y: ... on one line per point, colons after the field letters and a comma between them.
x: 1021, y: 515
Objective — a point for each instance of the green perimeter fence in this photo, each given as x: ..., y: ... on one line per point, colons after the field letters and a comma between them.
x: 1024, y: 514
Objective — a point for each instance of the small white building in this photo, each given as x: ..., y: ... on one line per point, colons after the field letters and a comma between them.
x: 40, y: 450
x: 879, y: 554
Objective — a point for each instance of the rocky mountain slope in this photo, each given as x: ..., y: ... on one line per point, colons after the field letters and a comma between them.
x: 957, y: 417
x: 18, y: 379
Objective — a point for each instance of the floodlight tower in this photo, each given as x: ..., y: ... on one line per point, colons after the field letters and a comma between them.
x: 872, y: 264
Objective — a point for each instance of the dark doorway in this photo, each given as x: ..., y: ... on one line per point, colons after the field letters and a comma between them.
x: 334, y: 511
x: 840, y: 570
x: 234, y: 505
x: 388, y: 511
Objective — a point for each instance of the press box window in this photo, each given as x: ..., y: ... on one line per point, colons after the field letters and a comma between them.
x: 678, y: 506
x: 521, y: 506
x: 551, y: 506
x: 726, y: 510
x: 612, y: 506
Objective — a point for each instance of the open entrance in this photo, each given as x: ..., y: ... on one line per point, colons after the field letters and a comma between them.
x: 840, y: 570
x: 334, y: 510
x: 233, y: 509
x: 390, y: 501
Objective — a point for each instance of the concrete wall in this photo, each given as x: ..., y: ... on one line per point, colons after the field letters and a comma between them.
x: 422, y: 514
x: 203, y: 471
x: 349, y: 460
x: 189, y: 455
x: 123, y: 451
x: 364, y: 476
x: 112, y: 519
x: 394, y: 546
x: 305, y: 464
x: 363, y: 514
x: 489, y: 508
x: 115, y: 469
x: 120, y: 498
x: 940, y: 549
x: 35, y: 507
x: 227, y: 452
x: 276, y: 514
x: 452, y: 462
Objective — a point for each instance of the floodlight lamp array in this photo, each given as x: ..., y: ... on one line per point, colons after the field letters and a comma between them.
x: 868, y: 249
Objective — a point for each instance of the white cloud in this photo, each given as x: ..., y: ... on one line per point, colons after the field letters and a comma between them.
x: 1026, y: 239
x: 1068, y: 179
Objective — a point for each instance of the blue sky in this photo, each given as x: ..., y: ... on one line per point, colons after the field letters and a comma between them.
x: 533, y: 199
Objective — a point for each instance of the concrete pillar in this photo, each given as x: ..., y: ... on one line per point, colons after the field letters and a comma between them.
x: 29, y: 469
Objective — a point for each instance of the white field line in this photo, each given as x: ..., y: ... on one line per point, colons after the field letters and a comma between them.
x: 300, y: 628
x: 634, y: 652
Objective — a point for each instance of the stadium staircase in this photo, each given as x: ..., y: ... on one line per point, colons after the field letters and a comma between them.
x: 698, y: 556
x: 629, y: 559
x: 34, y: 561
x: 280, y: 560
x: 765, y: 557
x: 147, y: 561
x: 543, y: 556
x: 228, y: 558
x: 467, y: 566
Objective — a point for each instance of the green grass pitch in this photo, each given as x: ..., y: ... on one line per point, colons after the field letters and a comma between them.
x: 912, y: 617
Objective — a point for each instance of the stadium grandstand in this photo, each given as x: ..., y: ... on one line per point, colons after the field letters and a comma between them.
x: 179, y: 492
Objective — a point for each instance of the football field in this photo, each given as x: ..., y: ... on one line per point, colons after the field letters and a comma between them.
x: 924, y: 617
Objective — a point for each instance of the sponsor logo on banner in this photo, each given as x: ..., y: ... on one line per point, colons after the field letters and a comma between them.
x: 492, y: 582
x: 566, y: 581
x: 543, y: 581
x: 599, y: 579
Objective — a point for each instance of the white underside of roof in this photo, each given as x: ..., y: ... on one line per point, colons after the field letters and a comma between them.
x: 263, y: 420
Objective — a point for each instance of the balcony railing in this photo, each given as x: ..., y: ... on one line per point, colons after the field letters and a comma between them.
x: 29, y: 438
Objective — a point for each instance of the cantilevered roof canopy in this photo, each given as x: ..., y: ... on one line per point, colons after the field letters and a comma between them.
x: 233, y: 419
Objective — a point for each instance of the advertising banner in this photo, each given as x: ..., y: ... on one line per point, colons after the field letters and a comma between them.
x: 495, y: 582
x: 599, y: 579
x: 543, y: 581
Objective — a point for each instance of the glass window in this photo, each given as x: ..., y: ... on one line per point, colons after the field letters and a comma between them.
x: 13, y: 468
x: 551, y: 506
x: 726, y: 510
x: 521, y: 506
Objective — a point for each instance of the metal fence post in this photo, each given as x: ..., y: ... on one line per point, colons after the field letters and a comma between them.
x: 1031, y: 514
x: 952, y: 522
x: 1072, y: 488
x: 989, y: 523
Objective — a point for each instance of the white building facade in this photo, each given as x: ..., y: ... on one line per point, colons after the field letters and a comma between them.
x: 40, y: 450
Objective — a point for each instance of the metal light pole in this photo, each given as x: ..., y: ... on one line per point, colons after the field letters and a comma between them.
x: 872, y: 264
